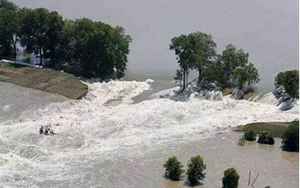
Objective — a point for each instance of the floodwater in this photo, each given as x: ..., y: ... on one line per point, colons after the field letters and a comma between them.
x: 274, y: 167
x: 103, y: 143
x: 15, y: 100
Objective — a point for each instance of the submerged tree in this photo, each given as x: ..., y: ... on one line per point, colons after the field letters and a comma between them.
x: 231, y: 178
x: 174, y: 169
x: 290, y: 138
x: 196, y: 168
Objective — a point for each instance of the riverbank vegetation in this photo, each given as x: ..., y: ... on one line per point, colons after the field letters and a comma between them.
x: 288, y: 131
x: 197, y: 52
x: 82, y: 47
x: 43, y: 79
x: 277, y: 129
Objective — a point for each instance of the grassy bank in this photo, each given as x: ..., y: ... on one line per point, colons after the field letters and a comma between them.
x: 44, y: 80
x: 275, y: 128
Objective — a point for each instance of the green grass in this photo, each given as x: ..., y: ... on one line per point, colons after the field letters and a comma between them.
x: 276, y: 129
x: 44, y: 79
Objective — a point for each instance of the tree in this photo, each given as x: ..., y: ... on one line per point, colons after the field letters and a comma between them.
x: 193, y: 51
x: 238, y: 71
x: 203, y: 52
x: 40, y: 32
x: 8, y: 29
x: 174, y: 169
x: 231, y: 178
x: 6, y: 5
x: 233, y: 58
x: 183, y: 54
x: 290, y: 138
x: 96, y: 49
x: 245, y: 75
x: 214, y: 72
x: 195, y: 170
x: 289, y: 80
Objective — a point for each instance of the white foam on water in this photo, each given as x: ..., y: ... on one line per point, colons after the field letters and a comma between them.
x: 88, y: 129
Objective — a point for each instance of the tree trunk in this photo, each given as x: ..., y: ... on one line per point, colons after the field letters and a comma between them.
x: 41, y: 57
x: 199, y: 76
x: 183, y: 79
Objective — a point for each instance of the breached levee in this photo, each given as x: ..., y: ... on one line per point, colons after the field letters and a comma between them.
x: 87, y: 130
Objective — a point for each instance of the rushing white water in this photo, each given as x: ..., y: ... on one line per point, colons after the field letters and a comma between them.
x: 88, y: 130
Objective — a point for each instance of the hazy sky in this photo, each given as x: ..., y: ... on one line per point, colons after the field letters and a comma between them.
x: 267, y: 29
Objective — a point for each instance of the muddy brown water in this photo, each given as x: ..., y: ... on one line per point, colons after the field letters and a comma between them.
x: 273, y: 166
x: 143, y: 167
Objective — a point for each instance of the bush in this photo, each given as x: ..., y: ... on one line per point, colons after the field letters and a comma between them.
x: 231, y: 178
x: 195, y: 170
x: 250, y: 136
x: 173, y: 169
x: 290, y: 139
x: 265, y: 138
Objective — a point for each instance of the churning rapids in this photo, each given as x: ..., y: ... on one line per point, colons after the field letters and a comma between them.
x: 107, y: 124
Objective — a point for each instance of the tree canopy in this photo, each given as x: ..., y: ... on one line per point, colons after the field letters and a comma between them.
x: 289, y: 80
x: 84, y: 47
x: 197, y: 51
x: 8, y: 29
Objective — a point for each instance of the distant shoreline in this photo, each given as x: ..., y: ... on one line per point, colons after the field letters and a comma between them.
x: 43, y: 79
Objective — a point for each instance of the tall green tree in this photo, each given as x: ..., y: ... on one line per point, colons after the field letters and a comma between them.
x: 96, y: 49
x: 8, y: 29
x: 289, y: 80
x: 245, y: 75
x: 203, y: 52
x: 238, y: 71
x: 184, y: 56
x: 193, y: 51
x: 40, y: 32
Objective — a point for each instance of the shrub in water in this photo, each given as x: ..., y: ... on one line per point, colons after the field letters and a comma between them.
x: 195, y: 170
x: 265, y: 138
x: 290, y: 139
x: 173, y: 169
x: 231, y: 178
x: 250, y: 136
